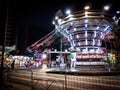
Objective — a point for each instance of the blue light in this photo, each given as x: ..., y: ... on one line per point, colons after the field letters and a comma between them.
x: 77, y: 36
x: 106, y: 28
x: 101, y: 35
x: 99, y: 43
x: 68, y: 39
x: 86, y: 42
x: 71, y: 23
x: 73, y: 43
x: 97, y: 27
x: 118, y: 12
x: 93, y: 42
x: 86, y: 34
x: 94, y: 33
x: 73, y: 55
x: 86, y: 25
x: 68, y: 12
x: 86, y: 21
x: 70, y: 36
x: 74, y: 29
x: 86, y: 48
x: 79, y: 43
x: 56, y: 17
x: 66, y: 31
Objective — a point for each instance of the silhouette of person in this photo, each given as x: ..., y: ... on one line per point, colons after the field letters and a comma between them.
x: 12, y: 65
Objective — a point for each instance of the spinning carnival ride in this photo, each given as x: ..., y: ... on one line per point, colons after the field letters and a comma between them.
x: 38, y: 47
x: 84, y: 31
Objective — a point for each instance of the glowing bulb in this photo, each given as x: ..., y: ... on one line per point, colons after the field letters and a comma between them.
x: 44, y: 56
x: 107, y: 7
x: 68, y: 12
x: 87, y: 7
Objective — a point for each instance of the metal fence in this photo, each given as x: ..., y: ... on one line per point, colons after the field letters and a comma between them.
x: 68, y: 80
x: 92, y: 82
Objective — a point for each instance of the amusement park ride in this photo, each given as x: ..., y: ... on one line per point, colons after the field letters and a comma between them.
x: 43, y: 43
x: 84, y: 30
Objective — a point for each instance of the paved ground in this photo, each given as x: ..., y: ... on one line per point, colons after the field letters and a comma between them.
x: 20, y: 80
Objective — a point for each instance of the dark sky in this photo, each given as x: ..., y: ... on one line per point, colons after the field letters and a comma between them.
x: 41, y: 12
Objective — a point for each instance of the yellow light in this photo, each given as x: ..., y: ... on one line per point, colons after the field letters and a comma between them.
x: 87, y: 7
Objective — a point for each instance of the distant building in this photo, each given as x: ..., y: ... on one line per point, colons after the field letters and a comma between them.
x: 7, y: 24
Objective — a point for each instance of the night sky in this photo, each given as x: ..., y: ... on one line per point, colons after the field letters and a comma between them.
x: 41, y: 12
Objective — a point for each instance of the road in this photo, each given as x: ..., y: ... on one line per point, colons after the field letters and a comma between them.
x: 49, y: 81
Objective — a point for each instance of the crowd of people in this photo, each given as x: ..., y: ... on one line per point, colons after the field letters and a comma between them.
x: 59, y: 62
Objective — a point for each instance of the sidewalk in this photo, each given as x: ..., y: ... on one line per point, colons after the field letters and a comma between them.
x: 18, y: 86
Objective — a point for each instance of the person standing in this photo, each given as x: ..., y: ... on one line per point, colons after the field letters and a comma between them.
x: 58, y: 61
x: 13, y: 65
x: 73, y: 60
x: 68, y: 64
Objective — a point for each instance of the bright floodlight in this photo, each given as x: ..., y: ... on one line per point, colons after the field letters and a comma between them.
x: 68, y: 12
x: 107, y: 7
x: 87, y: 7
